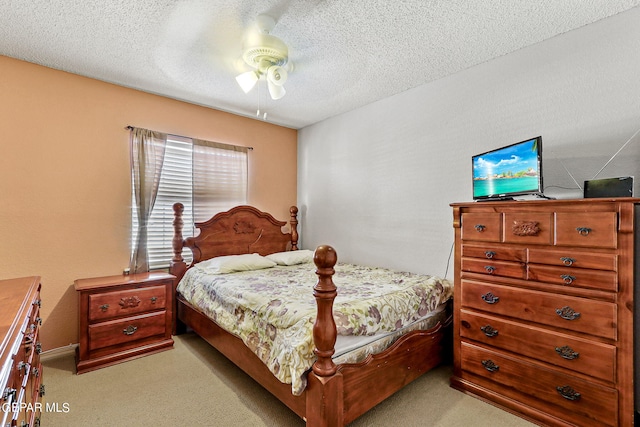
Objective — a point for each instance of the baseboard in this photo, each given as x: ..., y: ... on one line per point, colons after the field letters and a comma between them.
x: 68, y: 350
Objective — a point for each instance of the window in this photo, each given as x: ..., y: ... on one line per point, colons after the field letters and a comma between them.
x: 206, y: 177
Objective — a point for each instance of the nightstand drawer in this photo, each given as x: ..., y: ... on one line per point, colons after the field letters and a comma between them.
x: 547, y: 386
x: 126, y: 330
x: 109, y: 305
x: 562, y: 311
x: 578, y: 354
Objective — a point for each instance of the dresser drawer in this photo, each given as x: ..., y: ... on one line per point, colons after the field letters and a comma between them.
x: 494, y: 252
x: 494, y: 268
x: 484, y: 227
x: 119, y: 303
x: 584, y: 356
x: 562, y: 311
x: 528, y: 227
x: 582, y: 402
x: 587, y: 229
x: 127, y: 330
x: 574, y: 277
x: 573, y: 258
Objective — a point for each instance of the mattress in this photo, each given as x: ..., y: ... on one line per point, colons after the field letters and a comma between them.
x: 273, y: 310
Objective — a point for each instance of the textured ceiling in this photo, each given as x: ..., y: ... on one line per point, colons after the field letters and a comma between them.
x: 346, y: 53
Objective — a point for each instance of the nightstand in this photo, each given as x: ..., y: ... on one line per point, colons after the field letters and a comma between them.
x: 122, y: 318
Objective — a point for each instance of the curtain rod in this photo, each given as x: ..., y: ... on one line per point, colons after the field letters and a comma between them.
x: 129, y: 127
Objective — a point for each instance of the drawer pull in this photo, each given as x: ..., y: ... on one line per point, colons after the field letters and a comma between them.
x: 38, y: 348
x: 568, y: 279
x: 38, y: 303
x: 35, y: 372
x: 153, y: 300
x: 489, y: 331
x: 130, y: 330
x: 479, y: 228
x: 567, y: 352
x: 568, y: 393
x: 567, y: 313
x: 489, y: 269
x: 41, y: 391
x: 104, y: 307
x: 490, y: 298
x: 583, y: 231
x: 490, y: 365
x: 489, y: 254
x: 567, y: 261
x: 9, y: 392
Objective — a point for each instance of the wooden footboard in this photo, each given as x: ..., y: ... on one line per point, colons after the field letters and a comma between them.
x: 335, y: 394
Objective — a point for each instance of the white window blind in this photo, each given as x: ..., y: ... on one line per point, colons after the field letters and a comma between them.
x: 206, y: 177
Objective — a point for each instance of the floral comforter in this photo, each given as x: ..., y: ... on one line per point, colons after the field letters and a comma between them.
x: 273, y: 310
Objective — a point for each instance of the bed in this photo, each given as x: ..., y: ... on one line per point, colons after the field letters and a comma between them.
x: 335, y: 386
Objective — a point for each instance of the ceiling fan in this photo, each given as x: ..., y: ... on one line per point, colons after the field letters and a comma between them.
x: 268, y: 56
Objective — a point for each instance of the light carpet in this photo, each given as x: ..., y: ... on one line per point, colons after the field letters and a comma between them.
x: 194, y: 385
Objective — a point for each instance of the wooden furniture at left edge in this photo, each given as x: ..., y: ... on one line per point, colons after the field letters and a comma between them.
x: 122, y: 318
x: 335, y: 394
x: 21, y: 385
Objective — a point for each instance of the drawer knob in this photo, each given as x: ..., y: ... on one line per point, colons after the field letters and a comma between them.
x: 567, y: 352
x: 583, y: 231
x: 490, y: 298
x: 41, y: 391
x: 568, y: 279
x: 153, y: 300
x: 489, y: 331
x: 567, y: 313
x: 479, y: 228
x: 130, y: 330
x: 489, y: 254
x: 104, y: 307
x: 567, y: 261
x: 9, y: 392
x: 489, y: 269
x: 568, y: 393
x: 490, y: 365
x: 38, y: 347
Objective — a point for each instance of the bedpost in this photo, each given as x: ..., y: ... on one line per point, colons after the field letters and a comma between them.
x: 294, y: 227
x: 325, y: 401
x: 177, y: 267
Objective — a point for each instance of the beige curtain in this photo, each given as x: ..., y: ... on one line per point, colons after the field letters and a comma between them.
x: 147, y: 157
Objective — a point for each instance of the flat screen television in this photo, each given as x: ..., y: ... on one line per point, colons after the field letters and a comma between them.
x: 513, y: 170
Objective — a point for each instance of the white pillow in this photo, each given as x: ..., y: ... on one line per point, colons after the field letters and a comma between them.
x: 234, y: 263
x: 292, y: 257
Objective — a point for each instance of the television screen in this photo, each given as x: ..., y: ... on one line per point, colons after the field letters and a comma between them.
x: 508, y: 171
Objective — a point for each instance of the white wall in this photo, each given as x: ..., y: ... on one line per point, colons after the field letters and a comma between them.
x: 376, y: 182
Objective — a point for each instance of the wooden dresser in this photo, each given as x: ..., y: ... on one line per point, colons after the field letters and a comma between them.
x: 21, y: 371
x: 123, y: 317
x: 543, y: 308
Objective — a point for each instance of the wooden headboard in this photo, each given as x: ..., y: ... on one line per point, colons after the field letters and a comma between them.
x: 240, y: 230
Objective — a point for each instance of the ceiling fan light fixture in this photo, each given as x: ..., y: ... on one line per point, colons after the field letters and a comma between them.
x: 247, y: 80
x: 277, y: 75
x: 268, y: 55
x: 275, y: 90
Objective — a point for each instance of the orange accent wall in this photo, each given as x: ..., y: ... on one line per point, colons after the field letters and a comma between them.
x: 65, y: 176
